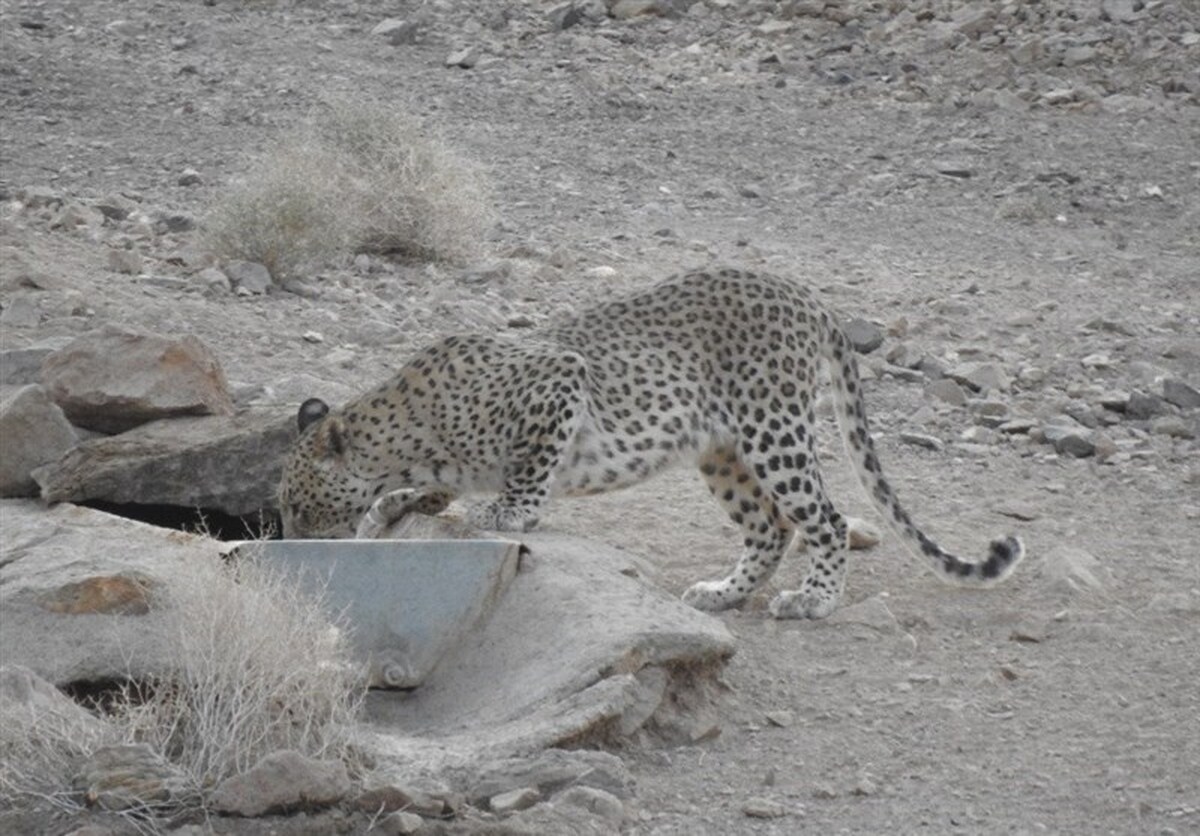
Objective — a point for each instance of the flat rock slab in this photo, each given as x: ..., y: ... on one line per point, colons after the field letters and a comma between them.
x: 558, y: 662
x: 408, y: 602
x: 58, y: 569
x: 226, y: 463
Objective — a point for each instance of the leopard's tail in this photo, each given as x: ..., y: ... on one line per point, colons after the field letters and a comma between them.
x: 1003, y: 554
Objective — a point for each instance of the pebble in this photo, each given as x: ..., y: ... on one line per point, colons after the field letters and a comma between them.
x: 782, y: 719
x: 981, y: 376
x: 1183, y: 395
x: 127, y: 262
x: 1075, y: 441
x: 929, y: 442
x: 248, y: 276
x: 190, y: 177
x: 396, y: 31
x: 514, y: 800
x: 1172, y: 425
x: 764, y: 808
x: 948, y: 391
x: 863, y: 335
x: 1142, y: 406
x: 401, y: 823
x: 464, y: 58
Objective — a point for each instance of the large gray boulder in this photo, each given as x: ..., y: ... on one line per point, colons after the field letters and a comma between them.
x: 225, y: 463
x: 113, y: 379
x: 33, y: 431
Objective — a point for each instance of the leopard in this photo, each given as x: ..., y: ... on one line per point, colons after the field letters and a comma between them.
x: 717, y: 367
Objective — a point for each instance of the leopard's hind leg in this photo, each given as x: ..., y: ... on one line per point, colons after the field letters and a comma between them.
x: 766, y: 533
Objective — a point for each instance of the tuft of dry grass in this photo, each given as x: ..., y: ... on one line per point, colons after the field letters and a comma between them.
x: 258, y: 666
x: 360, y: 177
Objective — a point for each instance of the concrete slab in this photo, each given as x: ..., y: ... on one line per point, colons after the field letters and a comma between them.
x: 408, y: 603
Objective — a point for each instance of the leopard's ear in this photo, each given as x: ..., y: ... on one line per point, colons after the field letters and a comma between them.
x: 330, y: 439
x: 311, y: 411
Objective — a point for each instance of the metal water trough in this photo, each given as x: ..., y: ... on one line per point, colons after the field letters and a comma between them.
x: 408, y: 603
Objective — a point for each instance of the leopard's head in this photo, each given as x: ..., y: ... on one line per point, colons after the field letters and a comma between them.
x: 321, y: 495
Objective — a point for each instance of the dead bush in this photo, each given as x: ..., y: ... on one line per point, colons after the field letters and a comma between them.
x: 359, y: 178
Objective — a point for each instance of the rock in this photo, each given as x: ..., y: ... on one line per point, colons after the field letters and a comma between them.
x: 390, y: 797
x: 29, y: 700
x: 396, y: 31
x: 626, y: 9
x: 282, y: 781
x: 1072, y: 569
x: 1183, y: 395
x: 465, y: 58
x: 67, y: 574
x: 116, y: 207
x: 214, y: 279
x: 948, y: 391
x: 981, y: 376
x: 401, y: 823
x: 782, y: 719
x: 174, y: 222
x: 114, y: 379
x: 597, y: 802
x: 1017, y: 426
x: 1172, y: 425
x: 102, y: 595
x: 929, y: 442
x: 1073, y: 56
x: 861, y: 534
x: 763, y: 808
x: 645, y: 699
x: 230, y: 464
x: 34, y: 431
x: 564, y: 16
x: 189, y: 177
x: 514, y: 800
x: 21, y: 312
x: 249, y: 276
x: 1142, y: 406
x: 127, y: 262
x: 863, y: 335
x: 127, y: 776
x: 1120, y: 11
x: 1070, y: 439
x: 551, y: 771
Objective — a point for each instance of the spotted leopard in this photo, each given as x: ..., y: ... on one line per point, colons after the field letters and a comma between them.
x: 716, y: 367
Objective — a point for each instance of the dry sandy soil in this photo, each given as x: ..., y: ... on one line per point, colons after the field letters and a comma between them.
x: 1032, y: 213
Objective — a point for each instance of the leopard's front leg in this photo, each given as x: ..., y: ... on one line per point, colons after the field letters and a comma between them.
x: 393, y: 506
x: 546, y: 417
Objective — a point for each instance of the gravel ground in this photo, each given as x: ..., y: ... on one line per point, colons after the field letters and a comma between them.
x: 1001, y: 184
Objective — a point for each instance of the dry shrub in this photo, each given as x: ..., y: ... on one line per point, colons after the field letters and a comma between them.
x: 287, y: 214
x: 259, y: 667
x: 360, y: 178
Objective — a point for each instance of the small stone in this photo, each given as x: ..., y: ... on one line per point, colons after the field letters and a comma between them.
x: 979, y: 435
x: 249, y: 276
x: 465, y: 58
x: 396, y: 31
x: 626, y: 9
x: 390, y: 798
x: 863, y: 335
x: 128, y: 262
x: 175, y: 222
x: 1172, y: 425
x: 313, y: 337
x: 1097, y: 361
x: 1142, y: 406
x: 871, y: 612
x: 115, y: 207
x: 190, y: 177
x: 1121, y: 11
x: 981, y: 376
x: 597, y: 802
x: 825, y: 792
x: 1070, y: 440
x: 948, y: 391
x: 1017, y: 426
x: 954, y: 168
x: 860, y: 534
x: 782, y: 719
x: 401, y: 823
x: 764, y: 808
x: 282, y: 781
x: 564, y: 16
x: 1183, y: 395
x: 514, y: 800
x: 126, y: 776
x: 1076, y: 55
x: 214, y: 279
x: 929, y: 442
